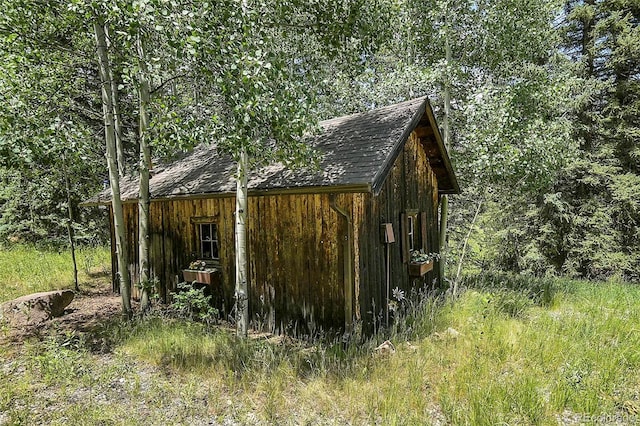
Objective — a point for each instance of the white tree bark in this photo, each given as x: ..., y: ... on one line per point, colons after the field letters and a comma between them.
x: 116, y: 202
x: 144, y: 166
x: 446, y: 133
x: 242, y: 290
x: 446, y: 130
x: 117, y: 120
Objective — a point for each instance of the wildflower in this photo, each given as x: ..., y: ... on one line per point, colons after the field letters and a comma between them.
x: 398, y: 294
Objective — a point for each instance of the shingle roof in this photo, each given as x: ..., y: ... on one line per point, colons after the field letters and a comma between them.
x: 355, y: 150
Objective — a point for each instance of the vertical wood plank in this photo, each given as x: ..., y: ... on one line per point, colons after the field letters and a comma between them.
x: 423, y: 231
x: 357, y: 223
x: 319, y: 287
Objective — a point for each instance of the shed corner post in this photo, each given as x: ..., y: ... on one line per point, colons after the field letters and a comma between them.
x: 444, y: 214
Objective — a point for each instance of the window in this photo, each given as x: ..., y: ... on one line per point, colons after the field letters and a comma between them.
x: 411, y: 235
x: 413, y: 228
x: 208, y: 241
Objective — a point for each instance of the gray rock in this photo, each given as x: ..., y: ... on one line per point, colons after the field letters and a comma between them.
x: 35, y: 308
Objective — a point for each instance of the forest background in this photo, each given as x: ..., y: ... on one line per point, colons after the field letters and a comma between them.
x: 542, y: 99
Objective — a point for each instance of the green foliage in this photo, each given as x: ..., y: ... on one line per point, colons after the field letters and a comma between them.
x: 58, y: 361
x: 516, y: 136
x: 191, y: 302
x: 509, y: 92
x: 46, y: 125
x: 33, y: 207
x: 591, y: 223
x: 265, y: 70
x: 585, y: 225
x: 243, y: 74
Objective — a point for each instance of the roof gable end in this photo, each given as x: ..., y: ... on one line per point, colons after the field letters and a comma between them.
x: 424, y: 124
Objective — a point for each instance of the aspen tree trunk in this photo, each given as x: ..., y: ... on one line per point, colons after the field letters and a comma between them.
x: 116, y: 202
x: 70, y: 233
x: 444, y: 201
x: 117, y: 120
x: 145, y: 164
x: 446, y: 129
x: 242, y: 291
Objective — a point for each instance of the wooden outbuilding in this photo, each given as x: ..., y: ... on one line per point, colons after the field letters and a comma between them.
x: 325, y: 248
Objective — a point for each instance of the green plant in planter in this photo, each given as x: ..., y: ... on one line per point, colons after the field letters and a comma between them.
x: 198, y: 265
x: 420, y: 256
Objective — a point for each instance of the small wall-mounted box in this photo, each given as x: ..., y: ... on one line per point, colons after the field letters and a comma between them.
x: 387, y: 233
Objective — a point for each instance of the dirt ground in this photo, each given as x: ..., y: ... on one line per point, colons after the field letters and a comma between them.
x: 93, y: 305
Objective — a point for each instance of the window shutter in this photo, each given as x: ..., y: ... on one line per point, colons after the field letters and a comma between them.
x: 404, y: 241
x: 423, y: 231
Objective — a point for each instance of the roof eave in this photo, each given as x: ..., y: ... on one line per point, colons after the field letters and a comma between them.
x: 302, y: 190
x: 454, y: 187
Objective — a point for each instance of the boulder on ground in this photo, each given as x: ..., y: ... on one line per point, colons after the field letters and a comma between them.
x: 36, y: 308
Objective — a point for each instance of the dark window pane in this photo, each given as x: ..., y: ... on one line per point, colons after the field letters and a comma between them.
x: 205, y: 232
x: 206, y: 249
x: 411, y: 232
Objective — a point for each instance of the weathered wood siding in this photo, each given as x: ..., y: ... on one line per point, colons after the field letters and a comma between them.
x: 299, y: 275
x: 294, y: 262
x: 295, y: 254
x: 410, y: 186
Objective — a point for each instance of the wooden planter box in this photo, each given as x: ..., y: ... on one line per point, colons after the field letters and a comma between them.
x: 204, y: 277
x: 419, y: 269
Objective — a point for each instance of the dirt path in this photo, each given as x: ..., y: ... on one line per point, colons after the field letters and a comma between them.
x: 93, y: 305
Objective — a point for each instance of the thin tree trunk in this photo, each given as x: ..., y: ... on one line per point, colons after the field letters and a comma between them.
x: 242, y: 291
x: 446, y: 130
x: 70, y: 232
x: 145, y: 164
x: 117, y: 120
x: 116, y: 202
x: 464, y: 249
x: 444, y: 202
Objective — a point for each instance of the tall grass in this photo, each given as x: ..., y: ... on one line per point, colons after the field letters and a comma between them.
x: 508, y: 350
x: 499, y: 354
x: 576, y: 357
x: 25, y: 269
